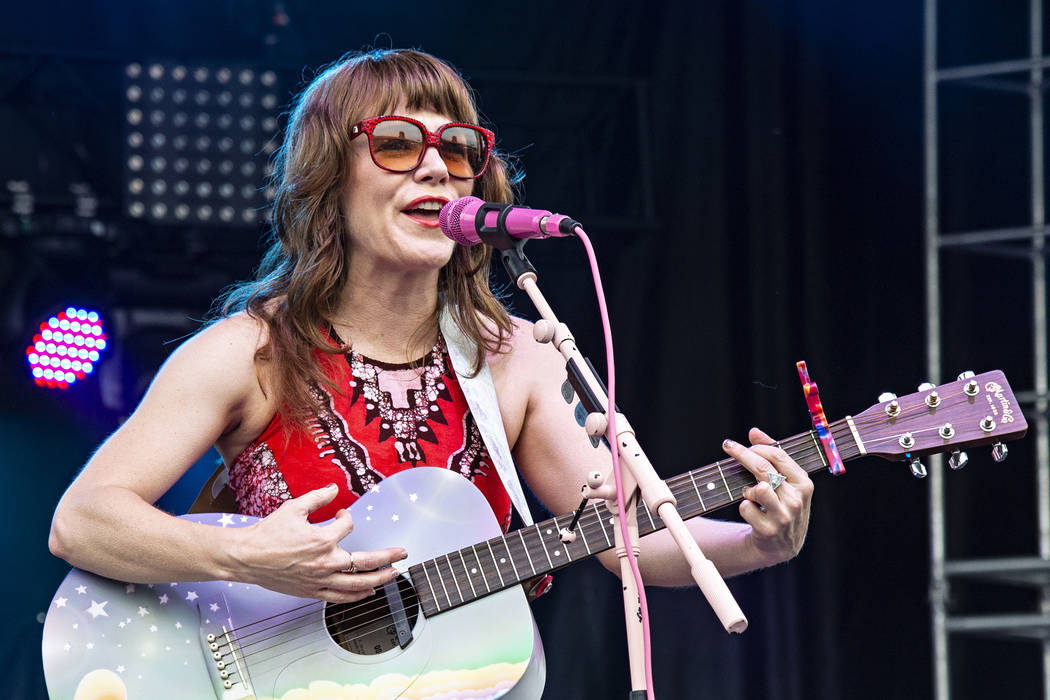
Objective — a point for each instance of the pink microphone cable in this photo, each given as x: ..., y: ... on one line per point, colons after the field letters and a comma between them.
x: 610, y: 435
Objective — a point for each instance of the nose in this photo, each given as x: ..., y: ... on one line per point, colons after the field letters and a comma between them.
x: 432, y: 168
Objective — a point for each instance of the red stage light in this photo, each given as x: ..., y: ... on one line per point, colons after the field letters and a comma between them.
x: 66, y: 348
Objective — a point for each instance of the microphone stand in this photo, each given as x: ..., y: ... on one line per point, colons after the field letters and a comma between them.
x: 639, y: 475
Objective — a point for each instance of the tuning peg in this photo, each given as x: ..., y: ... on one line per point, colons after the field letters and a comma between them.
x: 917, y: 468
x: 966, y: 375
x: 958, y: 459
x: 886, y: 396
x: 926, y: 386
x: 999, y: 451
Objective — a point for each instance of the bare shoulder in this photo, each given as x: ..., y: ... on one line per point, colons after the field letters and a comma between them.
x: 523, y: 369
x: 521, y: 355
x: 238, y: 333
x: 216, y: 372
x: 223, y: 351
x: 226, y: 353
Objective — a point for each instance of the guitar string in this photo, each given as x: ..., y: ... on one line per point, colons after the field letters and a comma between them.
x: 732, y: 465
x: 680, y: 480
x: 285, y: 638
x: 920, y: 407
x: 356, y: 611
x: 703, y: 472
x: 363, y: 608
x: 736, y: 471
x: 341, y: 620
x: 730, y: 469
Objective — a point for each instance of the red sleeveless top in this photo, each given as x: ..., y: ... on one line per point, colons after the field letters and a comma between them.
x: 386, y: 418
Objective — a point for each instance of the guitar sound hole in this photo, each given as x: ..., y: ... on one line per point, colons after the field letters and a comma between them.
x: 367, y: 626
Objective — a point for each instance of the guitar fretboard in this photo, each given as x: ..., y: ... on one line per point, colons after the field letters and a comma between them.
x: 458, y: 577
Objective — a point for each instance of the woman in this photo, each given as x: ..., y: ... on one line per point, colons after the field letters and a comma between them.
x: 342, y: 317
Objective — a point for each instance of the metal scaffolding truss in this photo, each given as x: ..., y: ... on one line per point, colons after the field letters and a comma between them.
x: 1026, y: 76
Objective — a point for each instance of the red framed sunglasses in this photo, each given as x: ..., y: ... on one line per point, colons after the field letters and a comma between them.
x: 397, y: 144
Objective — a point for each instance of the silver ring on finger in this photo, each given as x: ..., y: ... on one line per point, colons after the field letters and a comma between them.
x: 775, y: 479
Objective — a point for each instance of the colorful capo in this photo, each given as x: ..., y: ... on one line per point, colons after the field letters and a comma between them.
x: 820, y: 423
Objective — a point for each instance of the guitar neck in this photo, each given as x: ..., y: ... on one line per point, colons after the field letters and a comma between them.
x: 459, y: 577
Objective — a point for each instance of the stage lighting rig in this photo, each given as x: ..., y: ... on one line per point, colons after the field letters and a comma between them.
x: 198, y: 140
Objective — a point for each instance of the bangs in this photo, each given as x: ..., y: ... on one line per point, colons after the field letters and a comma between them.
x: 386, y: 81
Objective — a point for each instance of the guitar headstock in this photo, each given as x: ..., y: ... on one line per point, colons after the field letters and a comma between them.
x: 971, y: 411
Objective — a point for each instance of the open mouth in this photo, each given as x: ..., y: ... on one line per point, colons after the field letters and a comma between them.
x: 425, y: 211
x: 427, y: 217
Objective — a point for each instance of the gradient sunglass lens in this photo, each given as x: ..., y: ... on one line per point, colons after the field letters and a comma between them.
x: 397, y: 144
x: 463, y: 149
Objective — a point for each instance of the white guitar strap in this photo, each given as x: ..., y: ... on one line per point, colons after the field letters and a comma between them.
x: 481, y: 397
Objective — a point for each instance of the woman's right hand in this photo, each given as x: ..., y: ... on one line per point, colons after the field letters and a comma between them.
x: 286, y: 553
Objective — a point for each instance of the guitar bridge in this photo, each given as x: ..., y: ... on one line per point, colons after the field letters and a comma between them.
x: 225, y: 661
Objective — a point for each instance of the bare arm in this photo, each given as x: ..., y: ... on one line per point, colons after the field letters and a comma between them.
x: 554, y: 455
x: 106, y: 523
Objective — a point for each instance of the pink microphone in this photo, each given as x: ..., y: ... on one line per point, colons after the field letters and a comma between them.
x: 469, y: 221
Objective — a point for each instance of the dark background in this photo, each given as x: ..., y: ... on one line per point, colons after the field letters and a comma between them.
x: 781, y: 219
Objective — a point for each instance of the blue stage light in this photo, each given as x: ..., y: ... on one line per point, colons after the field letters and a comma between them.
x: 66, y: 348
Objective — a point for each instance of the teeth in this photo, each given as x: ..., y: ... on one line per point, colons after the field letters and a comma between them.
x: 429, y: 206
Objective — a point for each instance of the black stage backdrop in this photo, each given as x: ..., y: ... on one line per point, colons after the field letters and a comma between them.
x: 784, y: 139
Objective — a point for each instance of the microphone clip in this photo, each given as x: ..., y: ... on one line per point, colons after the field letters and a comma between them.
x: 514, y: 260
x: 496, y: 235
x: 512, y: 250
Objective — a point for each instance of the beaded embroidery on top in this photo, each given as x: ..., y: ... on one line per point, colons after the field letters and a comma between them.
x: 408, y: 425
x: 400, y: 412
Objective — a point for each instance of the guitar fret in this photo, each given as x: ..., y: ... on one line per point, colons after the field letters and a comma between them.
x: 563, y: 546
x: 481, y: 568
x: 440, y: 578
x: 544, y: 544
x: 496, y: 564
x: 649, y: 514
x: 820, y: 447
x: 467, y: 574
x: 728, y: 490
x: 697, y: 489
x: 522, y: 538
x: 454, y: 579
x: 583, y: 536
x: 601, y: 524
x: 557, y: 529
x: 433, y: 594
x: 510, y: 556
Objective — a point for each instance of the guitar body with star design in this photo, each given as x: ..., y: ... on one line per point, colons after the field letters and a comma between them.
x: 110, y: 640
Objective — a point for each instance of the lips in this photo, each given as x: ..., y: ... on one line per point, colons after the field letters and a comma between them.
x: 425, y: 210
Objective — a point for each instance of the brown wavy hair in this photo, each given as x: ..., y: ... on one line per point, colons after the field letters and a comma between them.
x: 296, y: 287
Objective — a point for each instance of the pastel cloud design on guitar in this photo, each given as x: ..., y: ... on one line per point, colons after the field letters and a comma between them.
x: 101, y: 684
x: 466, y: 684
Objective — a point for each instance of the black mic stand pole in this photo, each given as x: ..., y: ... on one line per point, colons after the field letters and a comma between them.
x: 639, y: 474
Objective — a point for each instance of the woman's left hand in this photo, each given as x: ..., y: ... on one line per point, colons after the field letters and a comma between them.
x: 778, y: 527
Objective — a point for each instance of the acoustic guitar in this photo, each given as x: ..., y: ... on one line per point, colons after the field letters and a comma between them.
x: 455, y: 624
